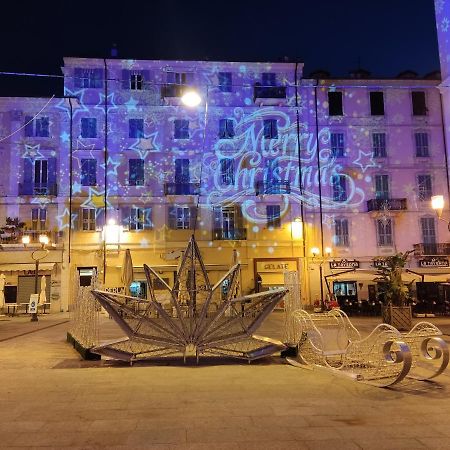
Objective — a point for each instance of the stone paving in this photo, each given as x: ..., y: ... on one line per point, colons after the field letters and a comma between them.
x: 51, y: 399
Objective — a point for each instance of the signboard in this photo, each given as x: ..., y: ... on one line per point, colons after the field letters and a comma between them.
x: 276, y: 265
x: 379, y: 263
x: 34, y: 299
x: 434, y: 262
x: 344, y: 264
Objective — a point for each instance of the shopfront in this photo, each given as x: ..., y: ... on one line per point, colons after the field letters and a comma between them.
x: 269, y: 272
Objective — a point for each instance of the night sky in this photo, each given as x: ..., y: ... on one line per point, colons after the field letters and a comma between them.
x: 382, y: 36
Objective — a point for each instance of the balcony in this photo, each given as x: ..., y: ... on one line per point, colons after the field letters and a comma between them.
x: 233, y: 234
x: 272, y: 187
x: 423, y: 249
x: 181, y: 188
x: 50, y: 189
x: 16, y: 237
x: 269, y: 95
x: 391, y: 204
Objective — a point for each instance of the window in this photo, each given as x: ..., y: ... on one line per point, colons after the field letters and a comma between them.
x: 273, y: 216
x: 38, y: 219
x: 136, y: 172
x: 136, y: 128
x: 136, y: 81
x: 140, y: 218
x: 227, y: 171
x: 88, y: 219
x: 341, y: 238
x: 337, y: 145
x: 428, y: 235
x: 226, y: 129
x: 422, y: 150
x: 270, y: 129
x: 88, y: 78
x: 179, y: 78
x: 37, y: 127
x: 339, y: 185
x: 180, y: 217
x: 382, y: 187
x: 379, y: 145
x: 225, y: 81
x: 424, y: 187
x: 182, y: 177
x: 88, y: 127
x: 88, y: 172
x: 40, y: 176
x: 181, y: 129
x: 335, y: 104
x: 269, y: 79
x: 418, y: 103
x: 384, y: 232
x: 377, y: 104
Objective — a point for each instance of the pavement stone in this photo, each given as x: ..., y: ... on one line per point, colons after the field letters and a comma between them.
x: 52, y: 399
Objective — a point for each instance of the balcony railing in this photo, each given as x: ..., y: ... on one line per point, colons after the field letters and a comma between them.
x: 392, y: 204
x: 16, y: 238
x: 442, y: 248
x: 181, y: 188
x: 172, y: 90
x: 38, y: 189
x: 233, y: 234
x: 272, y: 187
x: 269, y: 92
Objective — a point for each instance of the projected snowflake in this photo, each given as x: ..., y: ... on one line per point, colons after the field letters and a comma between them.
x: 193, y: 319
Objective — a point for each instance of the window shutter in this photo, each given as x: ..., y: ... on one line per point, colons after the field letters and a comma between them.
x: 193, y: 211
x: 189, y: 78
x: 98, y: 78
x: 170, y: 77
x: 172, y: 217
x: 77, y: 72
x: 27, y: 187
x: 51, y: 167
x: 217, y: 217
x: 148, y: 223
x: 29, y: 126
x: 78, y: 222
x: 125, y: 79
x: 99, y: 219
x: 146, y: 79
x: 239, y: 218
x: 125, y: 213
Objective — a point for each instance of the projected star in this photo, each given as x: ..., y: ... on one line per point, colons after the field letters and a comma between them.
x: 96, y: 199
x: 63, y: 219
x: 329, y: 221
x: 112, y: 166
x: 445, y: 24
x: 65, y: 137
x: 110, y: 103
x: 365, y: 161
x: 131, y: 104
x: 77, y: 103
x: 76, y: 187
x: 32, y: 152
x: 143, y: 146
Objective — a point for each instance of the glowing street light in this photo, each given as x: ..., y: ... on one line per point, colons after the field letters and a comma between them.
x: 191, y: 99
x: 297, y: 228
x: 437, y: 203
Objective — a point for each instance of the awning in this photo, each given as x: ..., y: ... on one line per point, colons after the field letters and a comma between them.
x: 26, y: 267
x: 272, y: 279
x: 433, y: 274
x: 367, y: 275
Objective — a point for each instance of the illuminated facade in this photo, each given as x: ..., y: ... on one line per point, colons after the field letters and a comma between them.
x: 258, y: 158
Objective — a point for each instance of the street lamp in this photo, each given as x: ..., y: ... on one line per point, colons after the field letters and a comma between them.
x: 437, y: 203
x: 37, y: 255
x: 315, y: 251
x: 191, y: 98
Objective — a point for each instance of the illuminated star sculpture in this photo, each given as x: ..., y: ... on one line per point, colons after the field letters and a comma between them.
x: 195, y: 319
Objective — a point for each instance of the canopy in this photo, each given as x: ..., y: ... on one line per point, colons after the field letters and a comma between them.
x: 127, y: 271
x: 42, y: 295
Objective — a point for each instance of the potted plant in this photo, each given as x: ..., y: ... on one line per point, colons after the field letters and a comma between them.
x: 394, y: 293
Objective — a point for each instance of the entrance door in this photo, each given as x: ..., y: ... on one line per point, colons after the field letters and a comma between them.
x: 26, y: 288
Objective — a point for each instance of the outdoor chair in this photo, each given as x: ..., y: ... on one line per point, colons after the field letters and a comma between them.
x: 329, y: 340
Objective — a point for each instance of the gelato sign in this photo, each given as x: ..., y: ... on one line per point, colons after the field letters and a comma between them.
x: 344, y: 264
x: 434, y: 262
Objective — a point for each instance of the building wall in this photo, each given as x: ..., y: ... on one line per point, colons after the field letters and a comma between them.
x: 301, y: 151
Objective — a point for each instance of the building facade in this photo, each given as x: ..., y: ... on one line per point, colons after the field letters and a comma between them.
x: 280, y: 171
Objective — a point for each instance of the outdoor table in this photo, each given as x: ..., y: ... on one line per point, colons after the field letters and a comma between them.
x: 12, y: 306
x: 26, y: 306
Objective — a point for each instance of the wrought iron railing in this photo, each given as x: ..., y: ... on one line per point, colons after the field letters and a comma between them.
x: 16, y: 237
x: 181, y: 188
x: 231, y: 234
x: 38, y: 189
x: 272, y: 187
x: 441, y: 248
x: 393, y: 204
x: 269, y: 92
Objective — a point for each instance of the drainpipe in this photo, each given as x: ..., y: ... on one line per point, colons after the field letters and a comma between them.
x: 106, y: 164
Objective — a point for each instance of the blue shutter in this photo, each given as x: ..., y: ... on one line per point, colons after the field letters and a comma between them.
x: 98, y: 78
x: 26, y: 188
x: 172, y: 217
x: 145, y: 79
x: 125, y: 212
x: 51, y: 167
x: 193, y: 211
x: 170, y: 77
x: 77, y: 74
x: 148, y: 224
x: 132, y: 133
x: 29, y: 126
x: 125, y: 79
x: 140, y: 172
x: 222, y: 128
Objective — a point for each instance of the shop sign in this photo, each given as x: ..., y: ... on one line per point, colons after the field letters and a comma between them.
x: 275, y: 266
x: 344, y: 264
x: 379, y: 263
x: 434, y: 262
x: 32, y: 308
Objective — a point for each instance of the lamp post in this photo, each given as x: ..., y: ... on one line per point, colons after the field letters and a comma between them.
x: 315, y: 252
x: 37, y: 255
x: 437, y: 203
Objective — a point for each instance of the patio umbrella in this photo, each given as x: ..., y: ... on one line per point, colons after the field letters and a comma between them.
x: 127, y: 271
x: 42, y: 294
x: 2, y: 290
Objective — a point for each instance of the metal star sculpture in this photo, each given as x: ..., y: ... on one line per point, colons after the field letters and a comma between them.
x: 196, y: 319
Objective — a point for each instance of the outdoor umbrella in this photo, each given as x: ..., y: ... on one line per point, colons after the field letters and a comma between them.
x: 2, y: 290
x: 42, y: 295
x: 127, y: 271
